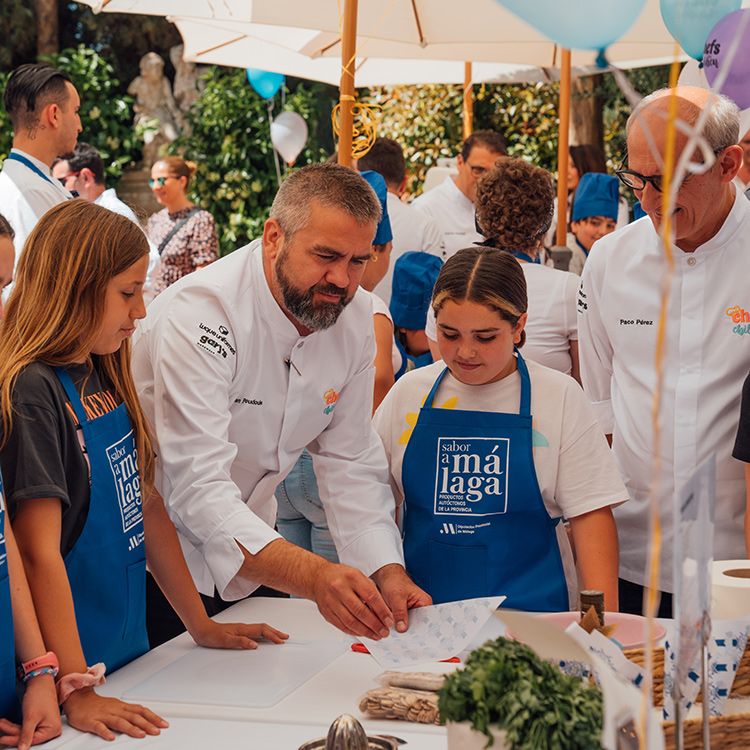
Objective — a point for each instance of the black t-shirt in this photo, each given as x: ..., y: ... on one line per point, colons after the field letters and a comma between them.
x: 45, y: 455
x: 742, y: 444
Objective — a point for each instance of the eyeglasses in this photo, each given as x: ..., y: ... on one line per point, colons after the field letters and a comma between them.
x: 159, y: 180
x: 637, y: 181
x: 64, y: 180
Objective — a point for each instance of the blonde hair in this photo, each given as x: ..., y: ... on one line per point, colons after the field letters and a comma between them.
x: 56, y: 308
x: 179, y: 167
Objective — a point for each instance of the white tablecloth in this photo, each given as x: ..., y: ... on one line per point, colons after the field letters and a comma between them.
x: 304, y: 714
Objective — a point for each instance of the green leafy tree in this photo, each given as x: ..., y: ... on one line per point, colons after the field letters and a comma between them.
x: 230, y: 142
x: 106, y: 115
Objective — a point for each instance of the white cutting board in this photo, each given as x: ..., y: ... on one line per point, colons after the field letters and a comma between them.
x: 219, y: 734
x: 248, y: 679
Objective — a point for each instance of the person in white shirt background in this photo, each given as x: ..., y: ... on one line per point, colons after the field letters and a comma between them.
x: 451, y: 203
x: 42, y: 104
x: 743, y: 176
x: 513, y: 200
x: 82, y: 172
x: 7, y: 257
x: 242, y: 365
x: 706, y: 358
x: 412, y: 230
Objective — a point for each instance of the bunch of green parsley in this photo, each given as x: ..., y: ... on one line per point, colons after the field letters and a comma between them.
x: 507, y: 685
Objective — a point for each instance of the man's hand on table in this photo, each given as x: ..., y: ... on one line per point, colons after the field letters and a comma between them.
x: 237, y: 635
x: 400, y: 593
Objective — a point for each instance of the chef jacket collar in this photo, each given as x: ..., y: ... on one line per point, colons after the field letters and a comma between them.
x: 728, y: 230
x: 457, y: 194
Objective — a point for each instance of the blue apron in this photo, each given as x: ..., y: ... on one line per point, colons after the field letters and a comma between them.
x: 475, y: 523
x: 9, y: 706
x: 410, y: 362
x: 107, y: 565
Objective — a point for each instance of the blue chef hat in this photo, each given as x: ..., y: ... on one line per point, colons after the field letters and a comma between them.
x: 596, y: 195
x: 377, y: 183
x: 414, y: 277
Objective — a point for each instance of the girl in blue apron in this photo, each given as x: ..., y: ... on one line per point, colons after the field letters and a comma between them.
x: 24, y: 665
x: 78, y: 462
x: 475, y: 520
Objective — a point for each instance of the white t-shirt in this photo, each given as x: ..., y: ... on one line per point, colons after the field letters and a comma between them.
x: 574, y: 466
x: 454, y: 214
x: 552, y: 322
x: 380, y: 308
x: 412, y: 231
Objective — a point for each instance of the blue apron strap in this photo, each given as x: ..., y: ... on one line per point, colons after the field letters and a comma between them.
x: 431, y: 395
x: 525, y: 256
x: 29, y: 165
x: 72, y: 393
x: 523, y: 371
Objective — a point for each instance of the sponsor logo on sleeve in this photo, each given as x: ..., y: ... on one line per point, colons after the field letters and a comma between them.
x: 215, y: 341
x: 330, y: 397
x: 582, y: 300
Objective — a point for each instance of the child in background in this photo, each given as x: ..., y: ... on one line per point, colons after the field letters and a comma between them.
x: 21, y: 644
x: 594, y: 215
x: 414, y: 277
x: 483, y: 482
x: 78, y: 463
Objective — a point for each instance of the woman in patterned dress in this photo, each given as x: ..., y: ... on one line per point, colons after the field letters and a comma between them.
x: 194, y: 244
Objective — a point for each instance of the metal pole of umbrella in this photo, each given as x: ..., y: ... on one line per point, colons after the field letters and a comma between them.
x: 560, y: 253
x: 346, y: 92
x: 468, y: 107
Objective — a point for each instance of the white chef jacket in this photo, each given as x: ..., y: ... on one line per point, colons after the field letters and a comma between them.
x: 25, y: 196
x: 413, y: 230
x: 707, y: 360
x: 231, y: 417
x: 454, y: 214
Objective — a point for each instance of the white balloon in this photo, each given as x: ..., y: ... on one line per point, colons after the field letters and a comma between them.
x: 289, y: 135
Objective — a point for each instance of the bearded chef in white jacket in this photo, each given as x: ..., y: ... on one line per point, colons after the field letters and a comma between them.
x: 707, y: 355
x: 242, y: 365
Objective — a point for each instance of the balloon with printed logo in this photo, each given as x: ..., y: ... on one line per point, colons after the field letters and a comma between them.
x: 264, y: 82
x: 583, y: 24
x: 689, y: 21
x: 289, y: 135
x: 718, y: 56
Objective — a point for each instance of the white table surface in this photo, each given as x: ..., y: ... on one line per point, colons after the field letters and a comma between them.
x: 304, y: 714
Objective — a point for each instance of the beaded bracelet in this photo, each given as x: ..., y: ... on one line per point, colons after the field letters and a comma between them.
x: 39, y: 672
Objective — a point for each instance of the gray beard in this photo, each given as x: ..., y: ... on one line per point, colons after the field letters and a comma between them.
x: 316, y: 317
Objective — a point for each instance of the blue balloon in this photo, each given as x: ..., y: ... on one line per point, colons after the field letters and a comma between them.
x: 690, y: 21
x: 265, y: 82
x: 583, y: 24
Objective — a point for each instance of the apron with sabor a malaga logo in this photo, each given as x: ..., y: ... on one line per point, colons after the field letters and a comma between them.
x: 9, y: 705
x: 107, y: 565
x: 475, y: 523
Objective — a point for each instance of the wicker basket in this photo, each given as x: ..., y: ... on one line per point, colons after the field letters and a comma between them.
x: 740, y: 686
x: 727, y: 733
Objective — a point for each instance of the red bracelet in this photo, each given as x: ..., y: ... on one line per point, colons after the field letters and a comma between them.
x: 45, y: 660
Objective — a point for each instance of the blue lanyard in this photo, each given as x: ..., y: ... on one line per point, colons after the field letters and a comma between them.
x: 524, y: 256
x: 33, y: 167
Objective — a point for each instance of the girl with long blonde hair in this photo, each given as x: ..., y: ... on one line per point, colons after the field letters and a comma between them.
x: 78, y: 462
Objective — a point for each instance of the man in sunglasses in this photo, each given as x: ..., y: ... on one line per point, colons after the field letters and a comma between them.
x: 42, y: 104
x: 706, y: 357
x: 451, y: 204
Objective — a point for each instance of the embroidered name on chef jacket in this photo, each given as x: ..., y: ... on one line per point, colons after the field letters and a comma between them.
x: 472, y: 476
x: 124, y: 466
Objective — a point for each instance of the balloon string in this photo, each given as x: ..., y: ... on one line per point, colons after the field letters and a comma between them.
x: 269, y: 111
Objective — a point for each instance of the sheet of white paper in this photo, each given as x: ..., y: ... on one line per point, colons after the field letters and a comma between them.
x: 435, y: 633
